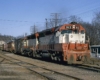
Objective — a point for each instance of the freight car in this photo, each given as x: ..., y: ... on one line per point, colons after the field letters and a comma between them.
x: 63, y: 43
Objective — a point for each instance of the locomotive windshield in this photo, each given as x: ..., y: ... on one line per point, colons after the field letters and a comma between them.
x: 82, y: 32
x: 72, y: 31
x: 69, y: 31
x: 66, y: 31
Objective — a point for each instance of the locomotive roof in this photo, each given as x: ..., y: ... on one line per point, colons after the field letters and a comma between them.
x: 31, y: 36
x: 50, y: 31
x: 10, y: 41
x: 44, y: 32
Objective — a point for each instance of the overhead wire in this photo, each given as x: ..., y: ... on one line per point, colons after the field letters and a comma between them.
x: 43, y: 22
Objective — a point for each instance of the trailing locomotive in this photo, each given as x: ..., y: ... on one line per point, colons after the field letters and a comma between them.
x: 63, y: 43
x: 9, y: 46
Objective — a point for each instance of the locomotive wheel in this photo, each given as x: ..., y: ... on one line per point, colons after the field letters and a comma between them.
x: 29, y: 54
x: 34, y: 54
x: 55, y: 58
x: 12, y: 51
x: 71, y: 60
x: 15, y: 51
x: 59, y: 59
x: 52, y: 58
x: 85, y: 59
x: 23, y: 53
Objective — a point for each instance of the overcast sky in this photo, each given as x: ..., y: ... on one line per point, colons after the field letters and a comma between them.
x: 17, y: 16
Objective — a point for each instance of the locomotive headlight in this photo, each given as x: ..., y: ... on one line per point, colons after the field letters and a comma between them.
x: 82, y: 36
x: 73, y: 26
x: 77, y: 27
x: 70, y: 27
x: 67, y: 27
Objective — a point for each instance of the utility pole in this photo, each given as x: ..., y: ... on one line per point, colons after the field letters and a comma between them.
x: 56, y: 18
x: 34, y: 29
x: 25, y: 34
x: 46, y: 23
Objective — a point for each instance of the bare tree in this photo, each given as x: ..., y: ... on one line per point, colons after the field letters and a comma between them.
x: 90, y: 32
x: 96, y: 19
x: 46, y: 23
x: 96, y: 30
x: 55, y: 20
x: 92, y: 29
x: 74, y: 18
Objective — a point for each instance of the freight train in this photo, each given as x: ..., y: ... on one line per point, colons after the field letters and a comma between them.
x: 62, y: 43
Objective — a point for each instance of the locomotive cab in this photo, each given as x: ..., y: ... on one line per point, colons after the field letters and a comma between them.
x: 73, y: 42
x: 70, y: 36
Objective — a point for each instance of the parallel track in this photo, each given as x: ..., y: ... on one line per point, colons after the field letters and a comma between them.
x: 88, y: 67
x: 46, y: 71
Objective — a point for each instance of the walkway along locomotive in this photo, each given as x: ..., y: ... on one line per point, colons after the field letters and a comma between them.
x: 62, y: 43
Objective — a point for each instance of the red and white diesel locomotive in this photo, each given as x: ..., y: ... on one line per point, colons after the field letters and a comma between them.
x: 62, y: 43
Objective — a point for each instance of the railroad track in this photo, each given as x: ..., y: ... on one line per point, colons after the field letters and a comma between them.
x: 88, y: 67
x: 50, y: 74
x: 46, y: 73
